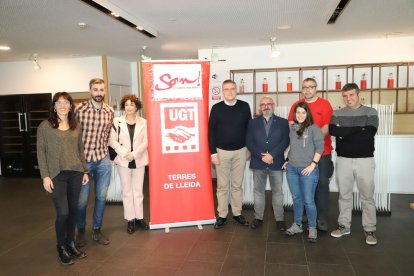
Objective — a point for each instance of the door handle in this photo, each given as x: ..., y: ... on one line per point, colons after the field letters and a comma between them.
x: 20, y: 123
x: 25, y: 121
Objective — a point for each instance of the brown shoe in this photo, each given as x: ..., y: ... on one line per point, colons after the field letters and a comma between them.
x: 99, y: 237
x: 80, y: 238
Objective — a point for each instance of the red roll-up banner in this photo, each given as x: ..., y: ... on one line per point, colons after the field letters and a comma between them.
x: 176, y: 102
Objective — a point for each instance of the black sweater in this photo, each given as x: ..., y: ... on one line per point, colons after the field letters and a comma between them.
x: 227, y: 126
x: 354, y: 130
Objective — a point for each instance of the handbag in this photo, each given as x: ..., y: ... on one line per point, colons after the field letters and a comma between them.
x: 112, y: 152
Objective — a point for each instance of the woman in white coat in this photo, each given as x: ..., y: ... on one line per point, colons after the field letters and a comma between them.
x: 129, y: 140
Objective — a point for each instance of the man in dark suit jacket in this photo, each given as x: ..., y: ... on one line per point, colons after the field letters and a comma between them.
x: 267, y: 139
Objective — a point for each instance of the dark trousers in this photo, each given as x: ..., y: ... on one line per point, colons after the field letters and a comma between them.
x: 326, y: 169
x: 67, y: 186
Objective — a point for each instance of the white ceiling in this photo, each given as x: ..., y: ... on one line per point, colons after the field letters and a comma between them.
x: 50, y: 27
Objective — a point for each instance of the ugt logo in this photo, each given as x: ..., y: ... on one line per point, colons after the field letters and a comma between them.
x: 179, y: 127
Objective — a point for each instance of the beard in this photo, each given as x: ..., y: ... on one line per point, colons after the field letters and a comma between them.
x: 98, y: 99
x: 267, y: 112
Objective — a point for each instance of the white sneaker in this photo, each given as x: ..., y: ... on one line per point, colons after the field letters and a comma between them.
x: 313, y: 235
x: 294, y: 229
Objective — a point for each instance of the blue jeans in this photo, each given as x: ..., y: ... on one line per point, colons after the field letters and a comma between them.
x: 100, y: 172
x: 303, y: 189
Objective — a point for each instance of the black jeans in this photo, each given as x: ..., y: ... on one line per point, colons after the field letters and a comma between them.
x: 67, y: 186
x: 326, y: 169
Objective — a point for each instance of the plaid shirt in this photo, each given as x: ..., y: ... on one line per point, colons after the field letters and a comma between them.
x: 96, y: 127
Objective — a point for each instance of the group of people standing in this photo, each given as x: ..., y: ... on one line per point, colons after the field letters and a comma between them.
x: 235, y: 138
x: 72, y: 150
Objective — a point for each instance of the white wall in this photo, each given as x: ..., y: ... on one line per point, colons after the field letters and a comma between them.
x: 119, y: 79
x: 134, y: 77
x: 71, y: 75
x: 119, y: 71
x: 401, y: 164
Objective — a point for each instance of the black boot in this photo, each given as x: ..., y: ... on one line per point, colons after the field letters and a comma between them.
x: 74, y: 252
x: 131, y: 226
x: 64, y: 256
x: 142, y: 224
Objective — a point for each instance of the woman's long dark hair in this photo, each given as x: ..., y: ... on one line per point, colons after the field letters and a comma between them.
x: 308, y: 120
x: 53, y: 117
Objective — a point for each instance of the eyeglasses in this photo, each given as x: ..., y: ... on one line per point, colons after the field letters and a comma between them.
x: 308, y: 87
x: 62, y: 103
x: 266, y: 104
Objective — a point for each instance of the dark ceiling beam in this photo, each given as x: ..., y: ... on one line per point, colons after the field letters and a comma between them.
x: 338, y: 10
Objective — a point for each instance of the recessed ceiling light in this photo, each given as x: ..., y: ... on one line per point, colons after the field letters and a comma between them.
x: 114, y: 14
x: 4, y: 48
x: 82, y: 25
x: 139, y: 28
x: 284, y: 27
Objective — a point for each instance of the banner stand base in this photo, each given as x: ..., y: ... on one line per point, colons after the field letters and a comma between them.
x: 197, y: 223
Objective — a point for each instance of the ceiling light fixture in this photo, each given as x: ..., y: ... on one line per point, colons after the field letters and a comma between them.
x: 36, y: 65
x: 4, y: 48
x: 284, y: 27
x: 274, y: 49
x: 143, y: 56
x: 82, y: 25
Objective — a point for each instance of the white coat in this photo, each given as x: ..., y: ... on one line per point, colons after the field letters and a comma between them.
x: 139, y: 145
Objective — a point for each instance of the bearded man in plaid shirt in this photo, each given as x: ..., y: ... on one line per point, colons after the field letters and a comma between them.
x: 96, y: 119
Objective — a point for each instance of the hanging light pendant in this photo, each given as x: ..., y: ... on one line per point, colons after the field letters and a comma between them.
x: 274, y: 49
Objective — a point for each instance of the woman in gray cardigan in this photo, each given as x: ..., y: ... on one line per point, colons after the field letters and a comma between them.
x: 63, y: 170
x: 306, y: 147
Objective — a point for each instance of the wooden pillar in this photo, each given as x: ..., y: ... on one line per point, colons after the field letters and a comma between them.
x: 105, y: 78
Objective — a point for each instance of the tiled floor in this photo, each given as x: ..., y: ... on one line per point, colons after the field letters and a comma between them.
x: 27, y: 244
